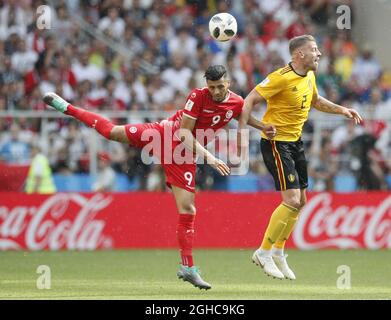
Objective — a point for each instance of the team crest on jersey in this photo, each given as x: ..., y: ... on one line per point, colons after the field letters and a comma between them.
x: 193, y: 95
x: 291, y: 177
x: 189, y: 105
x: 133, y: 129
x: 229, y: 114
x: 264, y: 82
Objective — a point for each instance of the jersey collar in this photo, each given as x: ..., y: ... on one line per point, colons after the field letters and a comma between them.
x: 227, y: 97
x: 290, y: 64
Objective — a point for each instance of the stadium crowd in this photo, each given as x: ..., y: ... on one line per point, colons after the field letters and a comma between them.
x: 168, y: 47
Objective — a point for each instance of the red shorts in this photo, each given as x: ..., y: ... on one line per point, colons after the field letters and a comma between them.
x: 141, y: 136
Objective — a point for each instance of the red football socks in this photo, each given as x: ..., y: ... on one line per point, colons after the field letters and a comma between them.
x: 185, y: 235
x: 93, y: 120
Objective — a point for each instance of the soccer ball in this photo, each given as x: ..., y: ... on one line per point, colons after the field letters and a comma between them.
x: 223, y: 26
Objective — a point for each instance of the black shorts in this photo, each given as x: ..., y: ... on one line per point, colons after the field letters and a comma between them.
x: 286, y: 162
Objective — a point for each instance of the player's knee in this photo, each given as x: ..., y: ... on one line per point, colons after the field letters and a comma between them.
x: 187, y: 208
x: 293, y: 202
x: 117, y: 133
x: 114, y: 133
x: 303, y: 201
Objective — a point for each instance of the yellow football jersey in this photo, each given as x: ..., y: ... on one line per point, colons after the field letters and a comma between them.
x: 289, y: 97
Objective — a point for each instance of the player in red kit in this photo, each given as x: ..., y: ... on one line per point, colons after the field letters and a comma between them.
x: 209, y: 108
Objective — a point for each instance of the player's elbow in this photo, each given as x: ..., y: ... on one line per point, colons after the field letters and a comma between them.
x: 243, y: 120
x: 317, y: 101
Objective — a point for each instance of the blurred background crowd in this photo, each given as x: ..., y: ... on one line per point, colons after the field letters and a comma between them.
x: 137, y: 60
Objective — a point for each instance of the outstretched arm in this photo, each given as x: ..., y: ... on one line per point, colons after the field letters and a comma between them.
x: 267, y: 129
x: 249, y: 102
x: 246, y: 118
x: 324, y: 105
x: 186, y: 136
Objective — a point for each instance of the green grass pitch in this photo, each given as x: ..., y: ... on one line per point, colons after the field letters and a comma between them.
x: 151, y: 274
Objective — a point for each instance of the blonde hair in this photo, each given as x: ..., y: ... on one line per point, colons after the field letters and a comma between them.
x: 299, y: 41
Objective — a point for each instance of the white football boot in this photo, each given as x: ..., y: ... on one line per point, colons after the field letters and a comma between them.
x: 266, y: 262
x: 282, y: 265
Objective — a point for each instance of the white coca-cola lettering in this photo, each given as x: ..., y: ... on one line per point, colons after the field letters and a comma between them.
x: 378, y: 233
x: 321, y: 226
x: 14, y: 221
x: 45, y: 227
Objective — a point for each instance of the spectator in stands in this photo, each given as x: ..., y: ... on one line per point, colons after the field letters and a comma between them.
x: 12, y: 20
x: 378, y: 108
x: 344, y: 134
x: 66, y: 74
x: 3, y: 103
x: 105, y: 181
x: 8, y: 74
x: 84, y: 70
x: 132, y: 42
x: 131, y: 89
x: 110, y: 100
x: 14, y: 150
x: 112, y: 24
x: 298, y: 26
x: 366, y: 68
x: 35, y: 100
x: 330, y: 80
x: 238, y: 77
x: 136, y: 168
x: 62, y: 25
x: 53, y: 82
x: 155, y: 179
x: 11, y: 44
x: 250, y: 37
x: 183, y: 42
x: 39, y: 178
x: 158, y: 91
x: 14, y: 92
x: 23, y: 60
x: 368, y: 170
x: 178, y: 76
x: 323, y: 167
x: 280, y: 45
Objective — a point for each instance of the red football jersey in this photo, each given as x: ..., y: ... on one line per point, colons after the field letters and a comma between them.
x: 209, y: 114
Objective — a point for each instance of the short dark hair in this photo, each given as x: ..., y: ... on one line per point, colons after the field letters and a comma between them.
x: 215, y: 72
x: 297, y: 42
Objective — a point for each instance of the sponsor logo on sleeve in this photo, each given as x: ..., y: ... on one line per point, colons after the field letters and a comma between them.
x: 189, y: 105
x: 264, y: 82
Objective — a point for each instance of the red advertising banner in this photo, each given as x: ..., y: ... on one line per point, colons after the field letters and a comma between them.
x: 12, y: 177
x: 77, y: 221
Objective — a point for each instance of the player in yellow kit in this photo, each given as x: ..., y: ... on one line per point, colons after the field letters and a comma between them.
x: 290, y: 92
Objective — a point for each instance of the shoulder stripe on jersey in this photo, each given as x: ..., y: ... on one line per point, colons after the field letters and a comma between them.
x: 189, y: 116
x: 286, y: 70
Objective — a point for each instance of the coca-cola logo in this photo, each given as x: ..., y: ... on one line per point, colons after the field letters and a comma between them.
x: 320, y: 225
x: 46, y: 227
